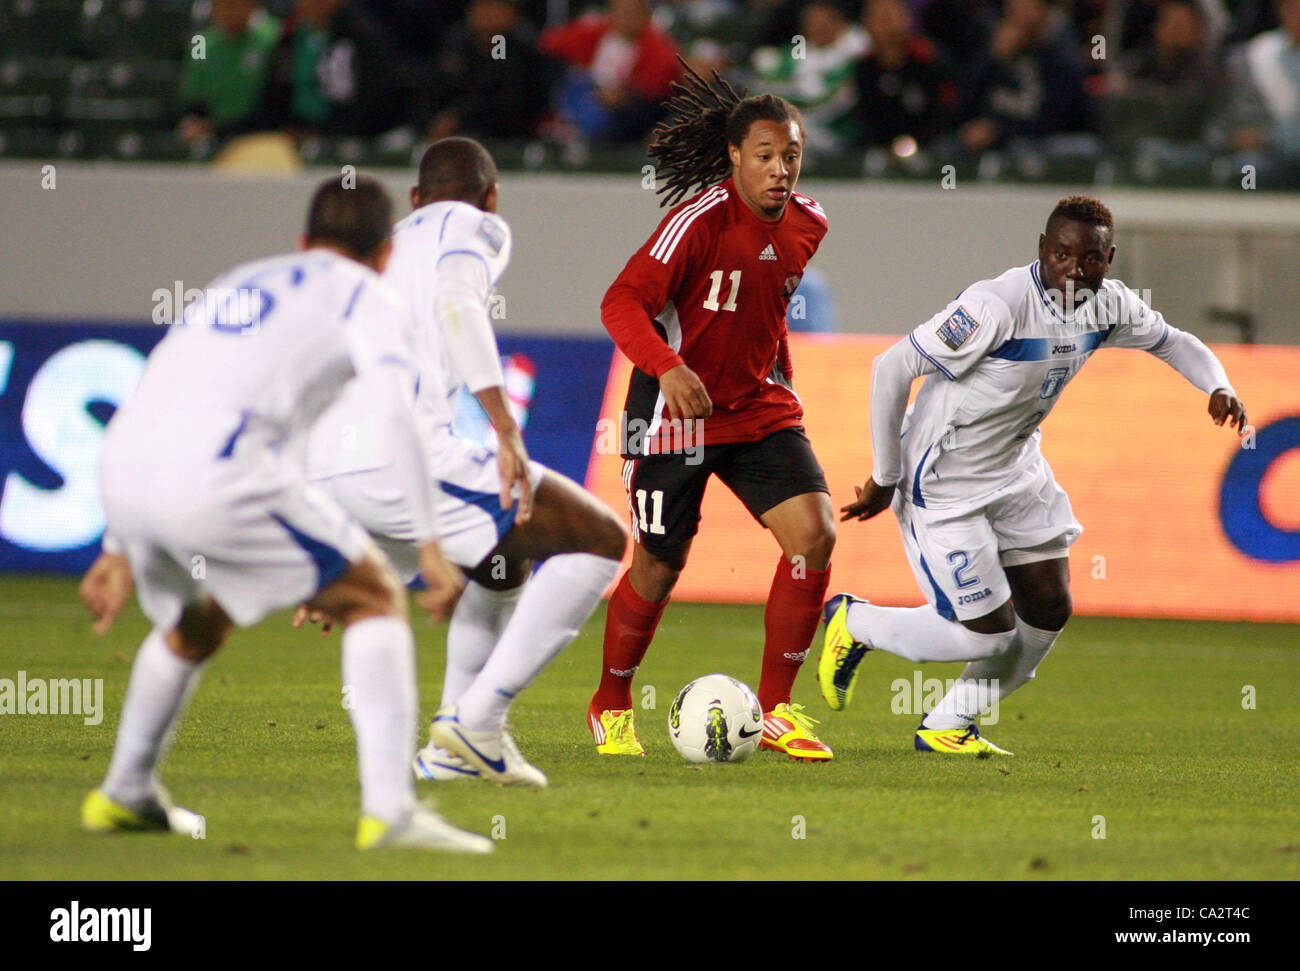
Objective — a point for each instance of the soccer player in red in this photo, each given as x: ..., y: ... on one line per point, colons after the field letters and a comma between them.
x: 700, y: 310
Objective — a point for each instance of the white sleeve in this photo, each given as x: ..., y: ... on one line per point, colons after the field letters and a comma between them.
x: 463, y: 289
x: 958, y: 337
x: 386, y: 378
x: 892, y: 375
x: 1140, y: 327
x: 1186, y: 354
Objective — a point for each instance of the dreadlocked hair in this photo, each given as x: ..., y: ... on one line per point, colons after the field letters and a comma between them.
x: 689, y: 150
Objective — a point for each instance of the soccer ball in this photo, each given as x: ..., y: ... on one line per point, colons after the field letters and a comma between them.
x: 715, y: 719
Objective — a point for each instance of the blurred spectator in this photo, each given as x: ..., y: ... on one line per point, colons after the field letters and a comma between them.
x: 494, y: 82
x: 1163, y: 89
x: 417, y: 27
x: 814, y: 72
x: 963, y: 29
x: 1032, y: 83
x: 1261, y: 117
x: 1250, y: 18
x: 334, y: 72
x: 713, y: 34
x: 620, y: 68
x: 907, y: 90
x: 1138, y: 19
x: 223, y: 86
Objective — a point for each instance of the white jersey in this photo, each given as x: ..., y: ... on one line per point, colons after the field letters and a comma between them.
x: 447, y: 342
x: 998, y: 358
x: 257, y: 360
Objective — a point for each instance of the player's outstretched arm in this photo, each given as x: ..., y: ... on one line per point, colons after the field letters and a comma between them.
x: 892, y: 374
x: 105, y: 589
x: 1187, y: 355
x: 1226, y: 406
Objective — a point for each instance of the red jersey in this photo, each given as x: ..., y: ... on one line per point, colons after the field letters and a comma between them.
x: 710, y: 290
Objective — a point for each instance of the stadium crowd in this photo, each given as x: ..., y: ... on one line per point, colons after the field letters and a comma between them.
x: 887, y: 84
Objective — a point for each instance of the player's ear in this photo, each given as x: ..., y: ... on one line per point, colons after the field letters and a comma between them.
x: 302, y: 242
x: 490, y: 199
x: 415, y: 197
x: 733, y: 152
x: 1110, y: 258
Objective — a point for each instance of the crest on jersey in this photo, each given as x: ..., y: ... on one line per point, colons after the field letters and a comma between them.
x: 956, y: 330
x: 792, y: 284
x: 492, y: 234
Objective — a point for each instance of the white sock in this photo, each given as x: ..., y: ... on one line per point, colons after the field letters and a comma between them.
x: 556, y: 602
x: 379, y: 678
x: 159, y: 685
x: 984, y: 683
x: 920, y: 634
x: 476, y: 625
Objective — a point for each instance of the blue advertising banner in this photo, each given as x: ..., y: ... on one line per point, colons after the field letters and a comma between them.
x: 60, y: 383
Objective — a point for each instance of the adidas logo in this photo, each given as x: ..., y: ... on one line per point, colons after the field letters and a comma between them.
x: 768, y: 253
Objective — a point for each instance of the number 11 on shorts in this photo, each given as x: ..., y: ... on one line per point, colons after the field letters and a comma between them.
x: 651, y: 524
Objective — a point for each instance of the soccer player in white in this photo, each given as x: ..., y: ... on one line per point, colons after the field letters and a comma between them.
x: 207, y: 508
x: 986, y: 528
x: 499, y: 509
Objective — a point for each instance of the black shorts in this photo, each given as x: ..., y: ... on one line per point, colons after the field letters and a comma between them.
x: 665, y: 491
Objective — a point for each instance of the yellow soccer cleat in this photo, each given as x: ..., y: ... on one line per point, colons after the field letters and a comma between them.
x: 614, y: 732
x: 956, y: 741
x: 789, y: 729
x: 837, y: 671
x: 422, y: 829
x: 100, y: 814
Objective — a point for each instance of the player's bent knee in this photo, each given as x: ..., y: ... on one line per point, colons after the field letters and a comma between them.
x: 369, y: 588
x: 200, y: 632
x: 653, y: 578
x: 1050, y: 613
x: 823, y: 541
x: 814, y: 543
x: 611, y: 537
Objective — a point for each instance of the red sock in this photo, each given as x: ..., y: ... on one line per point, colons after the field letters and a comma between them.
x: 794, y: 608
x: 629, y: 627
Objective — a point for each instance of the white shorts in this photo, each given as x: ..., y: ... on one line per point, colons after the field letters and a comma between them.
x: 252, y: 535
x: 471, y: 521
x: 958, y: 557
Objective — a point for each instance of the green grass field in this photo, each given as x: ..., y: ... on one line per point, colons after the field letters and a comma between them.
x: 1139, y: 722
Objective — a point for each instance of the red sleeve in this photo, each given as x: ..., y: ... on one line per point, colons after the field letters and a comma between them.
x: 640, y: 293
x: 656, y: 66
x: 574, y: 42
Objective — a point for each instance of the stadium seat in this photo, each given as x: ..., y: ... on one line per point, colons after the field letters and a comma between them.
x: 32, y: 91
x: 149, y: 29
x: 44, y: 27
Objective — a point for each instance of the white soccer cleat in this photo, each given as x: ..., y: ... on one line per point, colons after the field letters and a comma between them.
x: 423, y: 829
x: 493, y: 752
x: 436, y: 763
